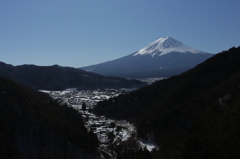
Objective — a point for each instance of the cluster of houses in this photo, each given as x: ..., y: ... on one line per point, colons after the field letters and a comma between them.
x: 101, y: 126
x: 107, y: 130
x: 104, y: 128
x: 76, y: 98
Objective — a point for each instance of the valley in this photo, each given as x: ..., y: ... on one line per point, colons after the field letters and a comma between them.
x: 120, y: 79
x: 192, y: 115
x: 112, y: 134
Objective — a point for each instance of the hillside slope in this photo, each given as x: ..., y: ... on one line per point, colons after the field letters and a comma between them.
x: 192, y: 115
x: 60, y: 78
x: 163, y: 58
x: 32, y: 125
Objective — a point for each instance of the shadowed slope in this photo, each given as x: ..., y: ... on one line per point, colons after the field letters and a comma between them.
x: 192, y: 115
x: 32, y: 125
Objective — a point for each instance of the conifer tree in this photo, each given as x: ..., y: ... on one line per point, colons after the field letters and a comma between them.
x: 83, y: 106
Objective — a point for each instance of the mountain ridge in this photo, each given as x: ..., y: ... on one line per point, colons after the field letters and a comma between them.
x: 192, y: 114
x: 59, y: 78
x: 163, y: 58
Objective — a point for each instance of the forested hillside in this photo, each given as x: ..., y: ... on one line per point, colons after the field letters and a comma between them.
x: 59, y: 78
x: 32, y: 125
x: 192, y: 115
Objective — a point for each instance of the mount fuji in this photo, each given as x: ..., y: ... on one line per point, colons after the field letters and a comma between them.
x: 163, y: 58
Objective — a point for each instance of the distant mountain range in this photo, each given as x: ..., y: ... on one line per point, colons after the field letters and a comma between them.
x: 163, y: 58
x: 59, y: 78
x: 192, y: 115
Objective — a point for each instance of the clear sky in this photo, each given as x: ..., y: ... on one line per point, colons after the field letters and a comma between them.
x: 84, y: 32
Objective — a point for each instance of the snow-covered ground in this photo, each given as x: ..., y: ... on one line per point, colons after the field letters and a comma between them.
x: 150, y: 146
x: 108, y: 131
x: 75, y: 98
x: 151, y: 80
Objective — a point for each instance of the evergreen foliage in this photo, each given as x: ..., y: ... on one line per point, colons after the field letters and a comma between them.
x: 84, y: 106
x: 32, y: 125
x: 60, y: 78
x: 192, y: 115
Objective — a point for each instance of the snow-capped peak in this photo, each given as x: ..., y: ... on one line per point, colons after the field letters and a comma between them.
x: 164, y: 46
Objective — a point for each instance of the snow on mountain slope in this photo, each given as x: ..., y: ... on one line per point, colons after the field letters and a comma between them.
x: 164, y: 46
x: 163, y: 58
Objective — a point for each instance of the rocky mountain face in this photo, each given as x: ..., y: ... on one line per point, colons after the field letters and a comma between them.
x: 192, y: 115
x: 60, y: 78
x: 163, y: 58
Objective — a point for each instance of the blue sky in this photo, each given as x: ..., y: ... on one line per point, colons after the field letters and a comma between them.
x: 83, y: 32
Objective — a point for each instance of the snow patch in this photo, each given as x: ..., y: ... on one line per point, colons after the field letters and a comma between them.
x: 166, y: 45
x: 150, y: 146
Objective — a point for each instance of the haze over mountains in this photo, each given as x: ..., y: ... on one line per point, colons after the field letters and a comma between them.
x: 163, y: 58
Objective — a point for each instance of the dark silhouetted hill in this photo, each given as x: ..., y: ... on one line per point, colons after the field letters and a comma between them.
x: 192, y: 115
x: 32, y: 125
x: 60, y: 78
